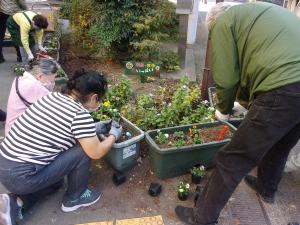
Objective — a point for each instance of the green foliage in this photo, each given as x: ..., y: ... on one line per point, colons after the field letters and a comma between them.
x: 183, y: 188
x: 134, y: 27
x: 18, y: 69
x: 171, y: 107
x: 116, y: 97
x: 60, y: 73
x: 198, y: 171
x: 170, y: 61
x: 65, y: 9
x: 161, y: 138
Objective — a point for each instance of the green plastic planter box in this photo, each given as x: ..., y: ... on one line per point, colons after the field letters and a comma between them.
x: 171, y: 162
x: 124, y: 155
x: 234, y: 121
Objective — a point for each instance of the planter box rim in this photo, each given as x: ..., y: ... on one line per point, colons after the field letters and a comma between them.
x: 131, y: 140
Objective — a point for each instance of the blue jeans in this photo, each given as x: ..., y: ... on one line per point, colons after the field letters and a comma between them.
x: 31, y: 182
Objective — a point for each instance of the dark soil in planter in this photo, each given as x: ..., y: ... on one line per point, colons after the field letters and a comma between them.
x: 125, y: 132
x: 208, y: 134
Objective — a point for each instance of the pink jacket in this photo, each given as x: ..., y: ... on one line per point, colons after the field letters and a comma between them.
x: 31, y: 89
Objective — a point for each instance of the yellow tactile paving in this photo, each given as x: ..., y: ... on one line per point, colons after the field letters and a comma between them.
x: 98, y: 223
x: 154, y: 220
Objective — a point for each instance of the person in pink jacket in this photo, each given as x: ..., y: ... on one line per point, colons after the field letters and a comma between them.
x: 28, y: 88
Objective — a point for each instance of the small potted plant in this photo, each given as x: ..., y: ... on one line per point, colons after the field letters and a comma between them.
x: 197, y: 174
x: 183, y: 190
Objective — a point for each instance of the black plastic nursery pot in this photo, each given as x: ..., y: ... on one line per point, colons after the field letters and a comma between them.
x: 174, y: 161
x: 196, y: 179
x: 154, y: 189
x: 119, y: 178
x: 183, y: 197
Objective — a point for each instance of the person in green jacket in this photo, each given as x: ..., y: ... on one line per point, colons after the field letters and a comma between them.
x: 255, y: 58
x: 7, y: 8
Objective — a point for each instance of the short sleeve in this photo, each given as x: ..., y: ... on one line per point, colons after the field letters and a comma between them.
x: 83, y: 125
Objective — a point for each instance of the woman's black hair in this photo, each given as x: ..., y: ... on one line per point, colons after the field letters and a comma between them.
x: 86, y: 83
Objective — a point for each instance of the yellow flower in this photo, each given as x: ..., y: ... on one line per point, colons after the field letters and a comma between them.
x: 106, y: 104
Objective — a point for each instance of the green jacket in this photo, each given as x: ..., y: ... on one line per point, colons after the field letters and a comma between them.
x: 255, y: 48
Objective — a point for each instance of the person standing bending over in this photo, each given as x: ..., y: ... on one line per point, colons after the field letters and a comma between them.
x: 55, y: 137
x: 27, y: 29
x: 255, y: 50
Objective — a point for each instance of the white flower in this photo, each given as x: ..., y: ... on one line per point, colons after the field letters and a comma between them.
x: 170, y: 104
x: 187, y: 186
x: 205, y: 102
x: 167, y: 135
x: 202, y: 168
x: 158, y: 114
x: 211, y: 108
x: 180, y: 190
x: 151, y: 95
x: 184, y: 87
x: 115, y: 110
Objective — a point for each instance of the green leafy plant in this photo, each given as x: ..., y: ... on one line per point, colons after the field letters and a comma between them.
x: 183, y: 188
x: 198, y: 171
x: 117, y: 95
x: 170, y: 61
x: 170, y: 107
x: 123, y: 29
x: 179, y: 138
x: 65, y: 9
x: 60, y: 73
x: 18, y: 69
x: 161, y: 138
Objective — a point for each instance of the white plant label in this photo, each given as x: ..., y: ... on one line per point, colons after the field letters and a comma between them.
x: 129, y: 151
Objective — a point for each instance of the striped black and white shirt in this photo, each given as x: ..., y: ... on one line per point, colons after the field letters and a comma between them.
x: 48, y: 127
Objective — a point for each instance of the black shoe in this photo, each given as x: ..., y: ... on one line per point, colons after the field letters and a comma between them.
x: 9, y: 209
x: 251, y: 181
x: 2, y: 60
x: 186, y: 215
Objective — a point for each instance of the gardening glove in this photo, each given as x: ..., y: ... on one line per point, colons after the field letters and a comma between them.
x: 103, y: 127
x: 221, y: 116
x: 238, y: 110
x: 116, y: 130
x: 42, y: 49
x: 30, y: 57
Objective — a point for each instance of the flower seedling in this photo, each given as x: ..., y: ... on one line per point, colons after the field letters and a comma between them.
x: 161, y: 138
x: 183, y: 190
x: 179, y: 138
x: 198, y: 171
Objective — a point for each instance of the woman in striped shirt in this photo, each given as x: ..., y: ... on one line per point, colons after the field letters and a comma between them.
x: 55, y: 137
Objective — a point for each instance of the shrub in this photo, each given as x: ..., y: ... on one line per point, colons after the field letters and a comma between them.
x: 133, y: 27
x: 170, y: 108
x: 170, y: 61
